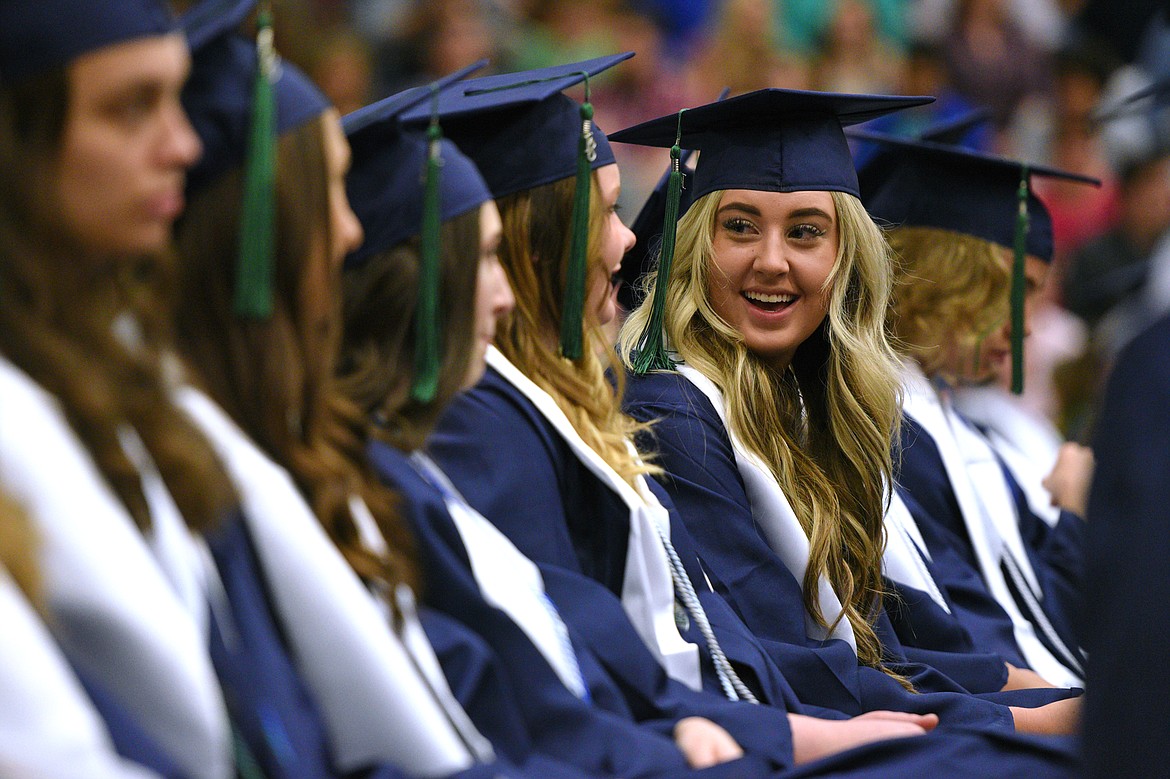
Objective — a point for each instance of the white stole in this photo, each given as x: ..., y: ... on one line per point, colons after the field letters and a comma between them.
x: 48, y: 727
x: 989, y: 513
x: 1028, y: 445
x: 508, y: 580
x: 904, y: 558
x: 114, y: 611
x: 776, y: 519
x: 648, y: 587
x: 382, y: 696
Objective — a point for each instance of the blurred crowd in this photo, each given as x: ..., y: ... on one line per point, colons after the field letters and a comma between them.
x: 1048, y: 73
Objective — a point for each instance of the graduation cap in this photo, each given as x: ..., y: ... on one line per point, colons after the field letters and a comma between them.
x: 648, y: 224
x: 403, y: 183
x: 770, y: 140
x: 240, y: 99
x: 522, y: 133
x: 39, y: 35
x: 969, y: 192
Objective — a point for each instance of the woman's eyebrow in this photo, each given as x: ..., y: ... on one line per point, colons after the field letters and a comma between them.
x: 804, y: 212
x: 747, y: 209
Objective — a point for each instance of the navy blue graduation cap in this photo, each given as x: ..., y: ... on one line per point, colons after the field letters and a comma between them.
x: 771, y: 140
x: 402, y: 183
x: 386, y: 180
x: 219, y: 96
x: 648, y: 224
x: 522, y: 133
x: 37, y: 36
x: 240, y: 99
x: 969, y: 192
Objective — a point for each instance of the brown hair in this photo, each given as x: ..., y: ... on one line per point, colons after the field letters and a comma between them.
x: 58, y: 315
x: 377, y: 356
x: 951, y: 292
x: 275, y: 377
x: 535, y: 255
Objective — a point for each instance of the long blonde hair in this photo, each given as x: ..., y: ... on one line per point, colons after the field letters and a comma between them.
x: 951, y: 292
x: 825, y: 425
x: 534, y: 253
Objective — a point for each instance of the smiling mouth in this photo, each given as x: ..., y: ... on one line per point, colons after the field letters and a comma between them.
x: 771, y: 303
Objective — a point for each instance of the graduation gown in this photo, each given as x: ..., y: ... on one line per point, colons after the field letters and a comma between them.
x: 111, y: 604
x: 973, y: 507
x: 50, y: 723
x: 381, y: 701
x: 1124, y: 629
x: 595, y: 729
x: 704, y: 479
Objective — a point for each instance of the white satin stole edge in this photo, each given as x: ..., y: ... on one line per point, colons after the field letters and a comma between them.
x: 1027, y: 447
x: 48, y: 725
x: 377, y: 699
x: 989, y: 513
x: 113, y: 605
x: 508, y: 580
x: 648, y: 587
x: 775, y: 518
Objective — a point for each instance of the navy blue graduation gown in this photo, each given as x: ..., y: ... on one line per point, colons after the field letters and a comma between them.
x: 1125, y: 629
x: 702, y: 477
x: 508, y: 478
x: 600, y: 735
x: 1054, y: 552
x: 130, y: 740
x: 271, y: 709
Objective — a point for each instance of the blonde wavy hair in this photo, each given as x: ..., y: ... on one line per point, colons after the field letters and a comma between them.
x: 951, y: 292
x: 825, y: 425
x: 535, y: 255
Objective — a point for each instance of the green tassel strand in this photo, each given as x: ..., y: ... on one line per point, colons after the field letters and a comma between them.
x: 572, y: 335
x: 653, y: 355
x: 256, y: 255
x: 426, y: 315
x: 572, y: 329
x: 1018, y: 285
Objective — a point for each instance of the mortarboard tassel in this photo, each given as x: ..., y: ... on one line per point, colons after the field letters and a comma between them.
x: 255, y: 258
x: 653, y: 355
x: 572, y: 332
x: 1017, y: 294
x: 426, y: 315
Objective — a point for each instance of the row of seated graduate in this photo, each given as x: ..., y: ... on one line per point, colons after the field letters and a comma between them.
x: 318, y: 459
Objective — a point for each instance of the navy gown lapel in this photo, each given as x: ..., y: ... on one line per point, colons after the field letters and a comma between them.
x: 599, y: 735
x: 574, y: 528
x: 130, y: 740
x: 267, y: 701
x: 704, y: 482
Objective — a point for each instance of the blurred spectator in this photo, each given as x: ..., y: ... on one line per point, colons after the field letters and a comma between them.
x: 801, y: 25
x: 853, y: 57
x: 342, y: 65
x: 991, y: 61
x: 925, y: 73
x: 1044, y: 22
x: 742, y: 54
x: 438, y: 37
x: 558, y: 31
x: 1119, y: 25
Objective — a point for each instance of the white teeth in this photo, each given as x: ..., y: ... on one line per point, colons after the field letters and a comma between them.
x: 762, y: 298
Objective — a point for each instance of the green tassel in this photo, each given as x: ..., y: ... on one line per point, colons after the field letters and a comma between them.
x: 576, y: 277
x: 256, y: 254
x: 426, y: 315
x: 653, y: 355
x: 1018, y: 285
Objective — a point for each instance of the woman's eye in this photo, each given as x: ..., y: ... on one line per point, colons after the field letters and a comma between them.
x: 737, y: 225
x: 805, y: 232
